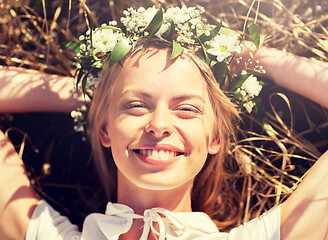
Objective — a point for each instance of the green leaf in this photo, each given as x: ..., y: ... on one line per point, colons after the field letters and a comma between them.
x: 90, y: 96
x: 153, y: 27
x: 213, y: 62
x: 111, y: 27
x: 157, y: 19
x: 150, y: 36
x: 238, y: 81
x: 72, y: 45
x: 255, y: 33
x: 208, y: 59
x: 79, y: 77
x: 84, y: 82
x: 220, y: 71
x: 170, y: 33
x: 203, y: 38
x: 120, y: 50
x: 177, y: 50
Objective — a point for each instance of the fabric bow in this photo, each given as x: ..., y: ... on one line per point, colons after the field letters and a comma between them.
x: 118, y: 219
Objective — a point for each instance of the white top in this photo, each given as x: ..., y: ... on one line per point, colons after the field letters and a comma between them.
x: 48, y: 224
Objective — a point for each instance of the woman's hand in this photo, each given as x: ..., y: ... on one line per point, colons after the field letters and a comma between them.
x: 301, y: 75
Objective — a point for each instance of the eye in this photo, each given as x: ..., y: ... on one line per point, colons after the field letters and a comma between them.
x: 135, y: 108
x: 133, y: 105
x: 188, y: 111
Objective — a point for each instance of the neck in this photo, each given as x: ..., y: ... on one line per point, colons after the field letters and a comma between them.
x: 139, y: 199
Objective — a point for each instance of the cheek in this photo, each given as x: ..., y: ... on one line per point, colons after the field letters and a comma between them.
x: 129, y: 126
x: 123, y: 131
x: 195, y: 135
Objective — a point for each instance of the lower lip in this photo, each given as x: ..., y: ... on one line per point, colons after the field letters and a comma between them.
x: 156, y: 162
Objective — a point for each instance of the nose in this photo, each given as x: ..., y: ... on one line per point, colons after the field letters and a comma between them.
x: 160, y: 123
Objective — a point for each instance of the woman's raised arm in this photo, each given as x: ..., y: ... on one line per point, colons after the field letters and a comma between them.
x: 17, y: 198
x: 26, y: 90
x: 304, y: 215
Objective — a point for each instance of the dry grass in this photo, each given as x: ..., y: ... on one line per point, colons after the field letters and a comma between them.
x: 273, y: 159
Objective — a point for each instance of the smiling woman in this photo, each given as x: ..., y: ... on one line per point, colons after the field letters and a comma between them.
x: 157, y: 105
x: 160, y: 128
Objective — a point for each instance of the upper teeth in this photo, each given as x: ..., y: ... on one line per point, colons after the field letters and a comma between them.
x: 161, y: 154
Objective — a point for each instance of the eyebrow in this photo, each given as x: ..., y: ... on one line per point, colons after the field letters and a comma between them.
x: 188, y: 97
x: 139, y: 93
x: 145, y: 94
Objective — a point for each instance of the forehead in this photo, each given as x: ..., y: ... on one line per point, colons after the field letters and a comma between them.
x: 154, y: 68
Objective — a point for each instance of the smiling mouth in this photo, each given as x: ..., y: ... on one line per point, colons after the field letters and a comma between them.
x: 158, y: 154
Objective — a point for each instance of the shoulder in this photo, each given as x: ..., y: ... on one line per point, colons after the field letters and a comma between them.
x: 47, y: 223
x: 265, y: 227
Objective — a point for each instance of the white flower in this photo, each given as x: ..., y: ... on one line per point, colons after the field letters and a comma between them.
x: 76, y: 114
x: 136, y: 21
x: 83, y: 47
x: 83, y: 108
x: 141, y: 9
x: 178, y: 15
x: 183, y: 18
x: 149, y: 14
x: 104, y: 40
x: 249, y: 106
x: 79, y: 128
x: 243, y: 92
x: 223, y: 46
x: 248, y: 90
x: 252, y: 86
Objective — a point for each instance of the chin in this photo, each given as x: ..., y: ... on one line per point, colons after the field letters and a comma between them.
x: 157, y: 186
x: 150, y: 183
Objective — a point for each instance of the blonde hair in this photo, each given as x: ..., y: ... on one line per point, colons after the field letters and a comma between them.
x: 207, y: 194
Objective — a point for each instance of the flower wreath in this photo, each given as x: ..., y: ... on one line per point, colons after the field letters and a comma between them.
x: 185, y: 28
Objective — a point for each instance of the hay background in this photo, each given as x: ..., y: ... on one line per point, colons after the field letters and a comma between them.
x: 32, y: 35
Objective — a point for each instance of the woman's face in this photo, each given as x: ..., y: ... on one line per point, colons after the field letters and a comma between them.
x: 160, y: 121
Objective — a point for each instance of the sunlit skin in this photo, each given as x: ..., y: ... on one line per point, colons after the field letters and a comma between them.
x: 160, y: 129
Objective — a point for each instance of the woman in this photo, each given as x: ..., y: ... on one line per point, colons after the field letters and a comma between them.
x: 166, y: 122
